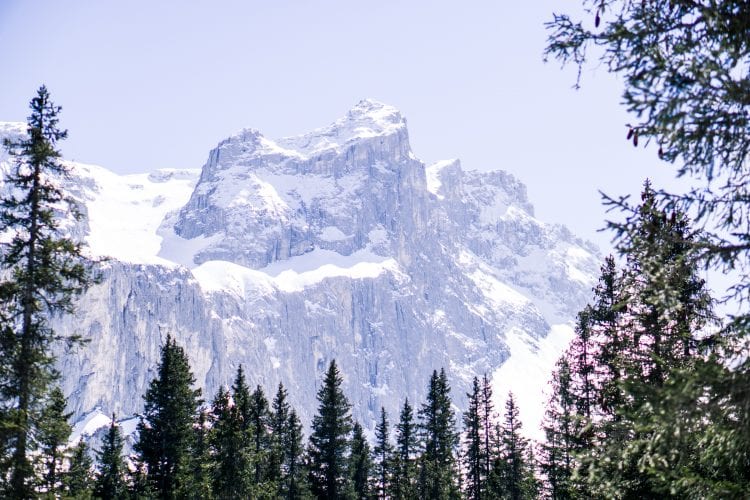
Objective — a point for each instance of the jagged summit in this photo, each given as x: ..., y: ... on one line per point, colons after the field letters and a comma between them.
x: 368, y: 119
x: 339, y: 243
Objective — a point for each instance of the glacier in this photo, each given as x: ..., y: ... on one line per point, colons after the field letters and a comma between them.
x: 282, y: 255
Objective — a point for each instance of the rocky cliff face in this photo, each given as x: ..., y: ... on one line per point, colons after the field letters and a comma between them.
x: 282, y: 255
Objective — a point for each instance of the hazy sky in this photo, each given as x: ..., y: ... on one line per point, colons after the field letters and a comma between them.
x: 152, y: 84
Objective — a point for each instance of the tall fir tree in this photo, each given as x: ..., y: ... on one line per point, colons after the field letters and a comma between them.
x: 54, y: 431
x: 231, y: 474
x: 513, y: 470
x: 279, y: 421
x: 42, y: 273
x: 294, y: 482
x: 360, y: 465
x: 79, y: 478
x: 110, y: 480
x: 260, y: 438
x: 668, y: 307
x: 200, y: 459
x: 487, y: 415
x: 561, y: 428
x: 474, y: 459
x: 439, y: 438
x: 166, y: 434
x: 405, y: 471
x: 330, y: 438
x: 383, y: 453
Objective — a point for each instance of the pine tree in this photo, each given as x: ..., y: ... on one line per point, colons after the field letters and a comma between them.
x: 474, y: 459
x: 667, y: 308
x: 231, y: 469
x: 360, y: 464
x: 166, y: 434
x: 295, y: 484
x: 329, y: 441
x: 279, y: 420
x: 383, y: 456
x: 200, y: 460
x: 110, y: 479
x: 78, y: 481
x: 42, y: 273
x: 405, y: 474
x: 437, y: 426
x: 513, y: 468
x: 561, y: 428
x: 54, y: 431
x: 683, y: 67
x: 487, y: 414
x: 260, y: 440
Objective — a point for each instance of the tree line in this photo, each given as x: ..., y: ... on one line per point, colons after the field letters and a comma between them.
x: 242, y: 445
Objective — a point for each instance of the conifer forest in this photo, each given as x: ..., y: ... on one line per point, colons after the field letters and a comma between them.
x: 651, y: 399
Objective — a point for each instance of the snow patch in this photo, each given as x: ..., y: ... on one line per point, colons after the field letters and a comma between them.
x: 527, y: 374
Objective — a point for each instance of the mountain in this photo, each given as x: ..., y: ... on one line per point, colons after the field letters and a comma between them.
x: 281, y: 255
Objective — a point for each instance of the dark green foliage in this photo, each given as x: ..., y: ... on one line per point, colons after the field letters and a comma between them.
x: 513, y: 468
x: 437, y: 429
x: 231, y: 475
x: 78, y: 481
x: 383, y: 453
x: 54, y: 431
x: 43, y: 272
x: 360, y: 464
x: 684, y: 68
x: 294, y: 482
x: 279, y: 420
x: 200, y: 460
x: 166, y: 434
x: 667, y: 308
x: 110, y: 478
x: 405, y: 471
x: 474, y: 459
x: 562, y: 428
x: 329, y: 441
x: 486, y: 410
x: 259, y: 427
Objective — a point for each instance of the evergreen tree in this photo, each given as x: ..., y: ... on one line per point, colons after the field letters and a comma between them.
x: 200, y: 460
x: 561, y: 428
x: 667, y: 308
x: 54, y: 431
x: 294, y: 482
x: 329, y: 441
x: 486, y: 413
x: 166, y: 434
x: 513, y: 468
x: 279, y: 421
x: 110, y: 479
x: 79, y: 479
x: 474, y: 459
x: 683, y: 67
x: 437, y: 426
x: 383, y: 456
x: 260, y: 439
x: 405, y: 475
x: 42, y: 273
x: 360, y: 464
x: 231, y: 475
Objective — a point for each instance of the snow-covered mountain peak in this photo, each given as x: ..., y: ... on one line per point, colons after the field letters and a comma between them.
x: 340, y: 243
x: 368, y: 119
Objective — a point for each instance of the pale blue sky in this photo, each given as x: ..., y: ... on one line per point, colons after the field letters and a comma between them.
x: 151, y: 84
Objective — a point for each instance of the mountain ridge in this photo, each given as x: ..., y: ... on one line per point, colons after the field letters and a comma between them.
x: 281, y: 261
